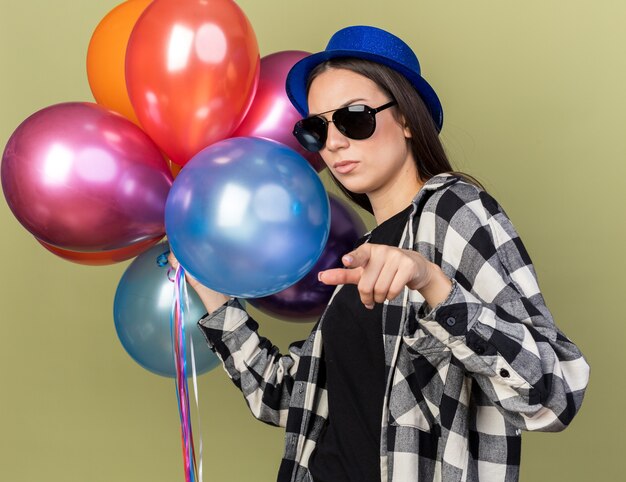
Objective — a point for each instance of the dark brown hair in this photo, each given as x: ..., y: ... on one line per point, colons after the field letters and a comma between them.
x: 428, y: 152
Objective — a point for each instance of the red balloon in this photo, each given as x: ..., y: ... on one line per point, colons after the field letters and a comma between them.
x: 83, y: 178
x: 271, y: 114
x: 192, y: 67
x: 102, y: 258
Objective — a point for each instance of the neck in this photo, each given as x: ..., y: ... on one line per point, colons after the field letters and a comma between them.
x: 395, y: 196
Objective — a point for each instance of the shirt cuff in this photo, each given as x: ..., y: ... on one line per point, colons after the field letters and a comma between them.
x: 226, y: 318
x: 456, y: 312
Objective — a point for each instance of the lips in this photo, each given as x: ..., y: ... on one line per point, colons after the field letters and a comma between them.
x: 344, y: 167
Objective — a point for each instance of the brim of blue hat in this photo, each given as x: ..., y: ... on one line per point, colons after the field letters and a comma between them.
x: 297, y: 77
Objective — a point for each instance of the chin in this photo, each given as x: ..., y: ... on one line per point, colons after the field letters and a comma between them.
x: 356, y: 188
x: 358, y: 183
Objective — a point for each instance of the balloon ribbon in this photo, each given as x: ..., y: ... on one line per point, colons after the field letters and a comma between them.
x: 182, y: 389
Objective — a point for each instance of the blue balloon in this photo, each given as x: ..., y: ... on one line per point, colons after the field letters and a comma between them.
x: 141, y: 310
x: 247, y: 217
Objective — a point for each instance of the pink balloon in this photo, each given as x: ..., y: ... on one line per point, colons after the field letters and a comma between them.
x: 271, y: 114
x: 83, y: 178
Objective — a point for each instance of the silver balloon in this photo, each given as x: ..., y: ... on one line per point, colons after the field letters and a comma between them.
x: 142, y: 307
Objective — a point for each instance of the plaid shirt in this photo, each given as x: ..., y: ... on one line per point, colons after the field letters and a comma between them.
x: 463, y: 379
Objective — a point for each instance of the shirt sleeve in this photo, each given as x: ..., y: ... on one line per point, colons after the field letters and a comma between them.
x: 254, y: 365
x: 495, y: 320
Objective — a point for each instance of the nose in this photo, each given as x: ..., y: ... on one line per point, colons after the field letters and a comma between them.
x: 335, y: 139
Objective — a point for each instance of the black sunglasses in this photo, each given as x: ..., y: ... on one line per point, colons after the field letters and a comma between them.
x: 354, y: 121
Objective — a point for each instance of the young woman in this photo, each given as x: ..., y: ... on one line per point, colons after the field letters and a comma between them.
x: 437, y: 348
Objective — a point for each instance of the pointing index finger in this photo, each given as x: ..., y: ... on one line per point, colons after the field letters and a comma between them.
x: 340, y: 276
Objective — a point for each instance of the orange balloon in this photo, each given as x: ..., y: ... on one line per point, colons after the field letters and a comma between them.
x: 192, y: 67
x: 174, y: 168
x: 106, y: 55
x: 102, y: 258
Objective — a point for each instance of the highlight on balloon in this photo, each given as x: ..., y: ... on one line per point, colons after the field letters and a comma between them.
x: 189, y: 136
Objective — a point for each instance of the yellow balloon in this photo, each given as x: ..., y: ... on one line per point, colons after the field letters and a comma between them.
x: 106, y: 57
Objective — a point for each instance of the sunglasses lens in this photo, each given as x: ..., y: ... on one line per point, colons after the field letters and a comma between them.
x: 311, y: 133
x: 355, y: 122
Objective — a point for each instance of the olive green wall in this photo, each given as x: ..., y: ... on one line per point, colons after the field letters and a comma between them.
x: 535, y: 106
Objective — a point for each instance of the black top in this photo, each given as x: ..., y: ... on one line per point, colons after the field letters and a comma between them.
x: 349, y: 447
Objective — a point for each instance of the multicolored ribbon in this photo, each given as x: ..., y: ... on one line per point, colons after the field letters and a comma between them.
x: 191, y: 467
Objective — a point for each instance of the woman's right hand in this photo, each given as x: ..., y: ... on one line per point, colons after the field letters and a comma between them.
x: 193, y: 282
x: 211, y: 299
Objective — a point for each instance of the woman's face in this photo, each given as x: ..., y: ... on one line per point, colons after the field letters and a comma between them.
x: 370, y: 165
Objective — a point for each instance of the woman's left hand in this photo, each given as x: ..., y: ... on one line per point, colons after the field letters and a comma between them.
x: 381, y: 272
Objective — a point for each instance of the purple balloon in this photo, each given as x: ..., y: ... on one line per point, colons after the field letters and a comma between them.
x: 271, y: 114
x: 83, y: 178
x: 306, y: 300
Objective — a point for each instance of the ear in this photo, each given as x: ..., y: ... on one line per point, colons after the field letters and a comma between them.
x: 405, y: 129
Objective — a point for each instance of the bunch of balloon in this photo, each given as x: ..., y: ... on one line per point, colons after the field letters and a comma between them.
x: 306, y: 300
x: 142, y: 310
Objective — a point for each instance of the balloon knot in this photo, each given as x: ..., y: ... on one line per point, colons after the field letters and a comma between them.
x: 161, y: 260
